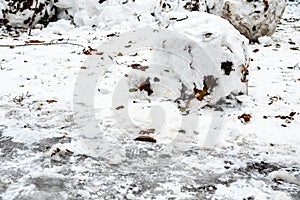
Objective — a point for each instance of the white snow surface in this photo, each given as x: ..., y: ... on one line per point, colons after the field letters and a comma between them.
x: 37, y: 137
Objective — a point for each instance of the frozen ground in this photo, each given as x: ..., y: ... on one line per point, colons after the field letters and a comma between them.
x: 255, y: 160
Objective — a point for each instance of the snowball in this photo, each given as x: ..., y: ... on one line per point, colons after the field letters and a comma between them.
x: 222, y: 55
x: 254, y: 18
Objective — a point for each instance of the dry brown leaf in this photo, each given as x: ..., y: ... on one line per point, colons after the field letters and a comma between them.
x: 244, y: 118
x: 139, y: 67
x: 294, y: 48
x: 88, y: 51
x: 287, y: 117
x: 200, y: 94
x: 120, y: 107
x: 34, y: 42
x: 146, y: 86
x: 144, y: 138
x: 51, y: 101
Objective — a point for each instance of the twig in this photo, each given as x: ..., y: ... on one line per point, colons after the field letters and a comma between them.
x: 40, y: 44
x: 188, y: 102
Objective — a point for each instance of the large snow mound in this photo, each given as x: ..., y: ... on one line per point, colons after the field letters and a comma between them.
x: 221, y: 55
x: 254, y: 18
x: 197, y: 61
x: 27, y: 14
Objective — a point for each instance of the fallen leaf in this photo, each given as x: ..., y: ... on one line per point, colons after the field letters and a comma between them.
x: 34, y: 41
x: 244, y: 118
x: 112, y: 35
x: 200, y: 94
x: 227, y: 67
x: 51, y: 101
x: 287, y: 117
x: 100, y: 53
x: 291, y: 42
x: 144, y: 138
x: 274, y: 99
x: 134, y: 54
x: 156, y: 79
x: 146, y: 86
x: 266, y: 5
x: 139, y: 67
x: 120, y: 107
x: 267, y: 45
x: 88, y: 51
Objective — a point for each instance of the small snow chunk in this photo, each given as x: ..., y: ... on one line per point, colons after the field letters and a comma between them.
x: 84, y: 194
x: 266, y: 40
x: 283, y: 176
x: 130, y: 196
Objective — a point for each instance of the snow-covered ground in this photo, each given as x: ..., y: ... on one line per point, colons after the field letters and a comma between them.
x: 43, y: 157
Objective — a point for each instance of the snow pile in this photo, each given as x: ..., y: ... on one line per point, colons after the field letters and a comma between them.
x: 26, y: 13
x: 158, y: 80
x: 92, y: 13
x: 221, y: 58
x: 254, y: 18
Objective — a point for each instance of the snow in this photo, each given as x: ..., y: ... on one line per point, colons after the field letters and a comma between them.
x: 254, y: 18
x: 26, y: 13
x: 243, y: 164
x: 209, y: 32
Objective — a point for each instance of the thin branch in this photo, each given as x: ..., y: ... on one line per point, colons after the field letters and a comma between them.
x: 40, y: 44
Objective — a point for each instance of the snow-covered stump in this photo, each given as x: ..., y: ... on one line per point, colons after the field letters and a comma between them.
x: 253, y: 18
x: 26, y: 13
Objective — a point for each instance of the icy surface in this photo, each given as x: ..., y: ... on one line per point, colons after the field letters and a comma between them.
x: 42, y: 157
